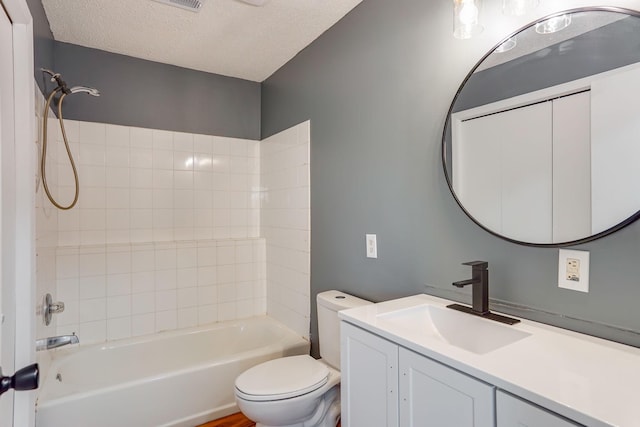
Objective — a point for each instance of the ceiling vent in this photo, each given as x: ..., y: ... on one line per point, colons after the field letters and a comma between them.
x: 192, y: 5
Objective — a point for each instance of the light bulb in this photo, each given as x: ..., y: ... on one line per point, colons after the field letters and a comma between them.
x: 468, y: 13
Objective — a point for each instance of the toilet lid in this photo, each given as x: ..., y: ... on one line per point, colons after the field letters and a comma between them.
x: 282, y: 378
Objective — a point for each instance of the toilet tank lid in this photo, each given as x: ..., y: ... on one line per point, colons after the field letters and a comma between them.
x: 337, y: 300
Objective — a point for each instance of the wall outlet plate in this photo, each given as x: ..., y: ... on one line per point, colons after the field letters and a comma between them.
x: 573, y: 270
x: 372, y: 245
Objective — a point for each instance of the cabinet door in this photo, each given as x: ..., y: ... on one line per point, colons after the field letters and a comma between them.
x: 369, y: 370
x: 515, y: 412
x: 432, y: 394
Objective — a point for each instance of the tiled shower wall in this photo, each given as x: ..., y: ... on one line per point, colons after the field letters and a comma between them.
x: 166, y: 233
x: 285, y: 224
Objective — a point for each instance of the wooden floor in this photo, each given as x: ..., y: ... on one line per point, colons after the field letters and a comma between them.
x: 235, y: 420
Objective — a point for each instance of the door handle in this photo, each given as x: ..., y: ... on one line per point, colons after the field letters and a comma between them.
x: 26, y: 378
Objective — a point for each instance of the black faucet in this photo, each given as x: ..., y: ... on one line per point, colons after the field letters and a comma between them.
x: 479, y: 293
x: 480, y: 281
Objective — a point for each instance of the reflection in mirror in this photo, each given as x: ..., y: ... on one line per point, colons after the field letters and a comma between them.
x: 541, y: 144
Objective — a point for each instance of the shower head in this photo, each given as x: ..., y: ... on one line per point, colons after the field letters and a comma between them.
x: 91, y: 91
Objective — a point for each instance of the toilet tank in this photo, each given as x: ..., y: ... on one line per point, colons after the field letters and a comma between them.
x: 329, y: 303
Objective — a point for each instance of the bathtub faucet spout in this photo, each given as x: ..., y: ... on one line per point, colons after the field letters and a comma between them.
x: 55, y: 342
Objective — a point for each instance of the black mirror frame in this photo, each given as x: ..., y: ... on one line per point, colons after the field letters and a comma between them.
x: 591, y: 238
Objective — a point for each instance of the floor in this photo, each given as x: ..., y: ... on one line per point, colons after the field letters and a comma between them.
x: 235, y: 420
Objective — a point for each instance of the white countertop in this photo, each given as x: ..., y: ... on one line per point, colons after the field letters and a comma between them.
x: 590, y: 380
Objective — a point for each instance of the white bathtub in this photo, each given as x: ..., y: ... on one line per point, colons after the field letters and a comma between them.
x: 178, y: 378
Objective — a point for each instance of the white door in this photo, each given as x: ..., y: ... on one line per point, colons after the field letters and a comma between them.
x: 7, y: 288
x: 17, y: 189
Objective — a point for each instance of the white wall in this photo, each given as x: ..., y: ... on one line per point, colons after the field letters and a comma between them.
x: 285, y: 224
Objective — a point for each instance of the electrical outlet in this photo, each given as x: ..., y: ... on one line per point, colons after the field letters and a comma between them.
x: 372, y: 246
x: 573, y: 270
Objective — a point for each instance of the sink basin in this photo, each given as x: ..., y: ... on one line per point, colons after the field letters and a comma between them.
x: 465, y: 331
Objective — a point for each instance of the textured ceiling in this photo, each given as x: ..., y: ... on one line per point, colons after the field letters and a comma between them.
x: 226, y: 37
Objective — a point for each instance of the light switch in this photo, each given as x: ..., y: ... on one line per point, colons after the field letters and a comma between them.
x: 573, y: 270
x: 372, y: 246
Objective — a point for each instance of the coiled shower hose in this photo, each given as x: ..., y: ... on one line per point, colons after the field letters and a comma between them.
x: 43, y: 160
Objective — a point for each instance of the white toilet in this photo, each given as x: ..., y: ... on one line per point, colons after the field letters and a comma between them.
x: 300, y: 391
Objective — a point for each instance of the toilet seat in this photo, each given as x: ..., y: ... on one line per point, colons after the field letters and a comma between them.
x: 282, y: 378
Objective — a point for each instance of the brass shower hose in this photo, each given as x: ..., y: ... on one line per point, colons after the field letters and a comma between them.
x: 43, y: 161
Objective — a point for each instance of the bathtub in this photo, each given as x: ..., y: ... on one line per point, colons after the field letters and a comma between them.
x: 177, y: 378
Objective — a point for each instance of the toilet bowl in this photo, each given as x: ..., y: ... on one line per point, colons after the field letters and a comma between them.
x: 300, y: 391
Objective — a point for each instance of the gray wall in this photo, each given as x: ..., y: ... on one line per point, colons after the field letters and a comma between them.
x: 376, y: 88
x: 135, y: 92
x: 43, y: 43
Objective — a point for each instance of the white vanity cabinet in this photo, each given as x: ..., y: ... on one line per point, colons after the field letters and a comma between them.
x: 515, y: 412
x: 432, y: 394
x: 385, y: 385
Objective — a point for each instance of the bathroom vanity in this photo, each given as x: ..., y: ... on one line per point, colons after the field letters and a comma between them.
x: 415, y: 362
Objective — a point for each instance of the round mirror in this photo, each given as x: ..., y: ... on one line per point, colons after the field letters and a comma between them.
x: 542, y: 140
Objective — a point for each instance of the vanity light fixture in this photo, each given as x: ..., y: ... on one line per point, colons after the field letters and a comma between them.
x: 507, y: 45
x: 466, y: 22
x: 518, y: 7
x: 554, y: 24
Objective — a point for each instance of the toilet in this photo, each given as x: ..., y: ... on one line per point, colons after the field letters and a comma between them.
x: 300, y: 391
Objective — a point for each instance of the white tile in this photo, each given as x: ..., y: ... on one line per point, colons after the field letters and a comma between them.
x: 187, y: 317
x: 92, y: 133
x: 166, y: 300
x: 207, y: 295
x: 202, y: 162
x: 183, y: 199
x: 117, y: 176
x: 187, y: 297
x: 162, y: 140
x: 66, y: 266
x: 70, y: 315
x: 203, y: 180
x: 141, y: 235
x: 119, y: 328
x: 227, y: 311
x: 118, y: 198
x: 166, y: 259
x: 183, y: 179
x: 92, y: 287
x: 93, y: 309
x: 186, y: 277
x: 162, y: 159
x: 92, y: 219
x: 117, y: 136
x: 163, y: 219
x: 141, y: 158
x: 117, y: 219
x: 238, y: 147
x: 118, y: 262
x: 67, y: 289
x: 143, y: 260
x: 203, y: 144
x: 163, y: 179
x: 92, y: 237
x: 92, y: 198
x: 166, y: 320
x: 92, y: 264
x: 141, y: 178
x: 141, y: 138
x: 203, y: 199
x: 118, y: 306
x: 141, y: 199
x: 182, y: 218
x: 143, y: 303
x: 92, y: 332
x: 92, y: 176
x: 143, y: 282
x: 144, y: 324
x: 227, y: 292
x: 163, y: 199
x: 119, y: 284
x: 221, y: 145
x: 92, y: 155
x: 166, y: 280
x: 186, y: 257
x: 207, y: 314
x: 117, y: 156
x: 245, y: 308
x: 226, y: 254
x: 182, y: 141
x: 183, y: 160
